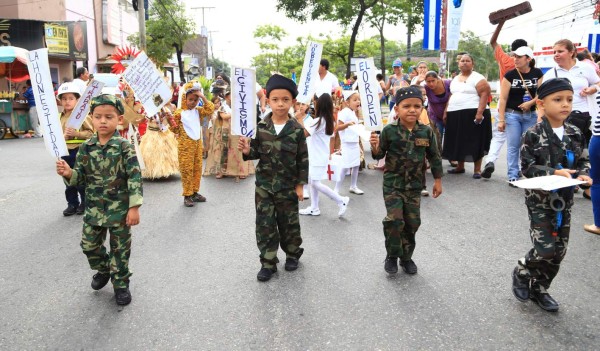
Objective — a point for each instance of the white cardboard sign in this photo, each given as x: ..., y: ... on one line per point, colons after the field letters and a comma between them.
x: 83, y: 105
x: 369, y: 98
x: 243, y: 102
x: 310, y: 73
x: 147, y: 83
x: 45, y: 102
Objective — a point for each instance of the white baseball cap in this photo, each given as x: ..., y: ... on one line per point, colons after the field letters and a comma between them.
x: 524, y: 51
x: 69, y: 87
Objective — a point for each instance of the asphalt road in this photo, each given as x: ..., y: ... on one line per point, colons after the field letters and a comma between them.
x: 194, y: 285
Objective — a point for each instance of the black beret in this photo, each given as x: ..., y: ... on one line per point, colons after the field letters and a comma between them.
x: 552, y: 86
x: 407, y: 93
x: 277, y: 81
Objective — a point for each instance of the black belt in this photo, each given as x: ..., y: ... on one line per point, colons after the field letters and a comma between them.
x: 510, y: 110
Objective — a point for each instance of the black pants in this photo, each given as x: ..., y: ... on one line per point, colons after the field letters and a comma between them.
x: 72, y: 194
x: 583, y: 121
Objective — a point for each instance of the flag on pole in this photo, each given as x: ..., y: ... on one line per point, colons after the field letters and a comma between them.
x: 453, y: 22
x: 594, y: 42
x: 432, y: 24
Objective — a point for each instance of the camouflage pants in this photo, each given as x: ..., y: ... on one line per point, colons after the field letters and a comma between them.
x: 401, y: 222
x: 277, y: 224
x: 190, y: 163
x: 542, y: 262
x: 117, y: 262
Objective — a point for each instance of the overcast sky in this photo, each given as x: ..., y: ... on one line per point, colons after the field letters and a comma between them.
x: 233, y: 24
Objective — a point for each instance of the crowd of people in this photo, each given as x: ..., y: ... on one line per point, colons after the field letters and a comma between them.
x: 546, y: 120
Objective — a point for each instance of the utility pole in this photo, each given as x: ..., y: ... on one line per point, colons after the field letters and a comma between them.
x: 142, y: 24
x: 204, y: 40
x: 210, y: 42
x: 443, y: 41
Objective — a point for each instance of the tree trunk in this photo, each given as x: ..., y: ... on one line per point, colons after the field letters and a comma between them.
x: 382, y: 42
x: 361, y: 13
x: 178, y: 51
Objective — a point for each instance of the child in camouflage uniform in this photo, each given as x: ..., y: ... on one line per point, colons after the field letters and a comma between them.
x: 107, y: 166
x: 405, y: 143
x: 551, y: 147
x: 280, y: 146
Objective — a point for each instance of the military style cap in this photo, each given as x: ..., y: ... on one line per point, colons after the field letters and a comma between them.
x: 552, y: 86
x: 278, y: 81
x: 107, y: 99
x: 407, y: 93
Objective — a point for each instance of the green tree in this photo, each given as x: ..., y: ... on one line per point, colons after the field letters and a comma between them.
x: 345, y: 12
x: 167, y: 29
x: 393, y: 12
x: 269, y: 39
x: 482, y: 53
x: 218, y: 65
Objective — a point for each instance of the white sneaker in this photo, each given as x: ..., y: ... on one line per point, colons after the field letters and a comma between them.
x: 424, y: 192
x: 306, y: 196
x: 356, y: 191
x: 309, y: 211
x: 343, y: 206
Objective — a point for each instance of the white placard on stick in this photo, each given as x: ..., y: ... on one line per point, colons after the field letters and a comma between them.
x: 310, y: 73
x: 369, y: 98
x: 147, y: 83
x: 243, y: 102
x: 83, y: 105
x: 548, y: 183
x: 45, y: 102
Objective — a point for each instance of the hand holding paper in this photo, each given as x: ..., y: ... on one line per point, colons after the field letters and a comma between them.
x: 63, y: 169
x: 244, y: 146
x: 548, y: 183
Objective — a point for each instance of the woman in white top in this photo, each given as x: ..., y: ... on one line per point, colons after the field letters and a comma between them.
x: 320, y: 146
x: 468, y: 120
x: 349, y: 138
x: 584, y: 80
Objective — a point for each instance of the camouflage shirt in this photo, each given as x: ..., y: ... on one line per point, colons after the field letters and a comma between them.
x: 112, y: 179
x: 541, y: 151
x: 405, y: 152
x: 283, y: 157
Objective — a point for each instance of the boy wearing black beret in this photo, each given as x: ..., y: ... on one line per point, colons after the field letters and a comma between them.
x: 405, y: 144
x: 551, y: 147
x: 282, y: 170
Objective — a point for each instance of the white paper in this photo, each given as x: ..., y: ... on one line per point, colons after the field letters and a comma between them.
x: 45, y: 102
x: 310, y: 73
x: 148, y: 84
x: 82, y: 108
x: 363, y: 133
x: 453, y: 21
x: 132, y: 135
x: 548, y: 183
x: 243, y: 102
x: 369, y: 98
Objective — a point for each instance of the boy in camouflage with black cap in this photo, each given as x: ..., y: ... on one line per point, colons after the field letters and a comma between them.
x: 280, y: 147
x: 551, y: 147
x: 405, y: 144
x: 107, y: 166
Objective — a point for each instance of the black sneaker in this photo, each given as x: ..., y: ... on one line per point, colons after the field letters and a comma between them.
x: 99, y: 280
x: 544, y: 300
x: 391, y: 265
x: 123, y: 296
x: 266, y: 273
x: 488, y: 170
x: 291, y: 264
x: 69, y: 211
x: 520, y: 286
x: 80, y: 209
x: 409, y: 267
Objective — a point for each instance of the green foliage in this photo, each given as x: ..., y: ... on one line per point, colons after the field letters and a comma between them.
x: 218, y: 65
x: 482, y: 53
x: 168, y: 25
x: 205, y: 84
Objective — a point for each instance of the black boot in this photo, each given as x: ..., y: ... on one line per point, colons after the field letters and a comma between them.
x: 291, y: 264
x: 123, y: 296
x: 520, y: 286
x: 70, y: 210
x: 266, y: 273
x: 99, y: 280
x: 409, y: 267
x: 391, y: 265
x: 544, y: 300
x: 80, y: 209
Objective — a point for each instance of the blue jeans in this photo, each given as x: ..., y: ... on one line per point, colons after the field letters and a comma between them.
x: 594, y: 151
x: 516, y: 124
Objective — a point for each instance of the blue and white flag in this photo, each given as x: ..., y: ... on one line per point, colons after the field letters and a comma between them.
x: 453, y: 22
x: 594, y: 42
x: 432, y: 24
